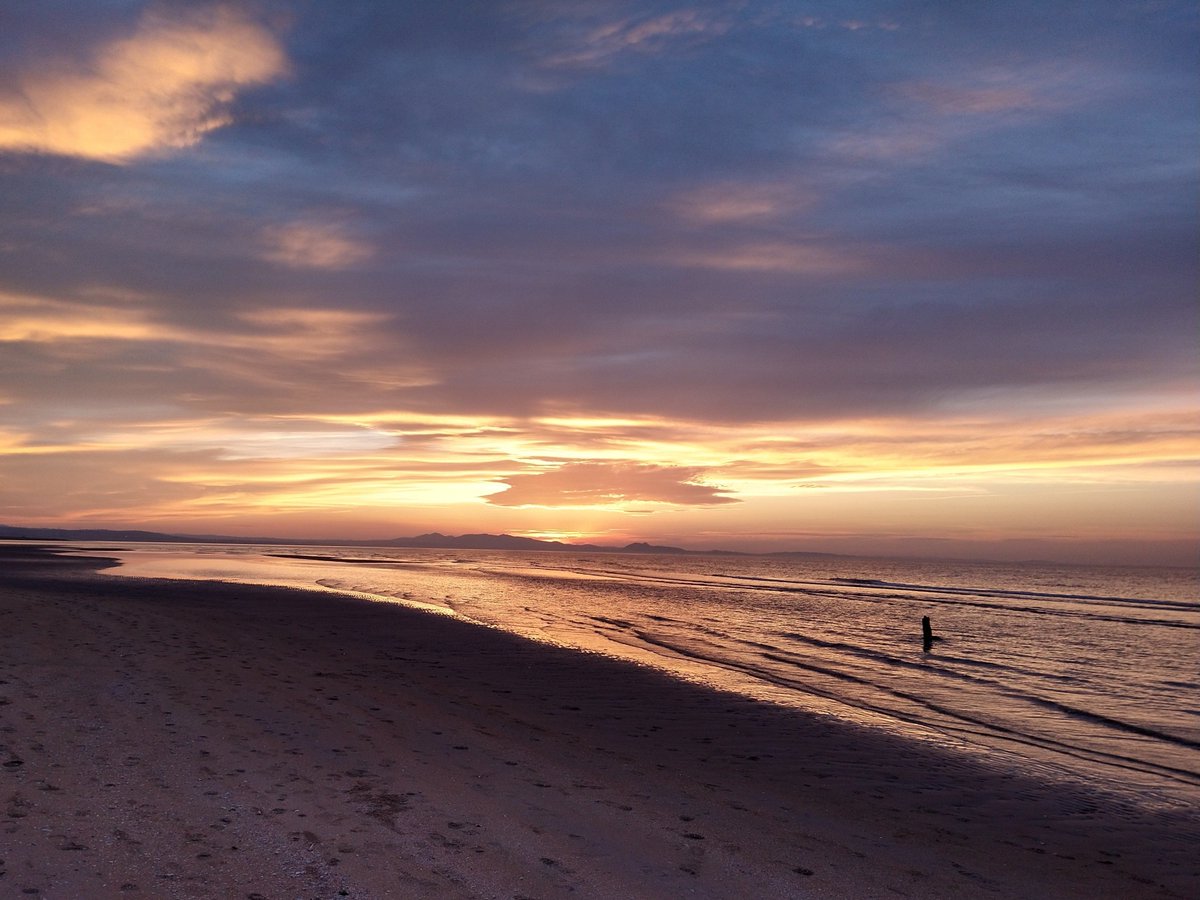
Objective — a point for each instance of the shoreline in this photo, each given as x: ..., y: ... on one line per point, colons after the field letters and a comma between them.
x: 354, y: 748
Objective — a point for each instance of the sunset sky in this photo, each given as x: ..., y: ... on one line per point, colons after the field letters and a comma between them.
x: 911, y: 278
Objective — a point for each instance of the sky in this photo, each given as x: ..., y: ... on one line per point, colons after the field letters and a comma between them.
x: 911, y: 278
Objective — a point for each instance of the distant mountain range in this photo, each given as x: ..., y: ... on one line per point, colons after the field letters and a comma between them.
x: 433, y: 540
x: 436, y: 541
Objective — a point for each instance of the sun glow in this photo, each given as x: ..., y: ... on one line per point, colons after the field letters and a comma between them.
x: 562, y: 537
x: 613, y: 466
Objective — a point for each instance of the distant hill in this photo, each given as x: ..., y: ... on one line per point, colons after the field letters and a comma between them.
x: 436, y: 540
x: 433, y: 540
x: 12, y: 532
x: 512, y: 542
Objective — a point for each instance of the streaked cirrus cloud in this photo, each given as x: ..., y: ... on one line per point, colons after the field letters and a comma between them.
x: 605, y: 41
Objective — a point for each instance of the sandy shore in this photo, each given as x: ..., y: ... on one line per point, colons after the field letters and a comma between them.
x: 176, y: 739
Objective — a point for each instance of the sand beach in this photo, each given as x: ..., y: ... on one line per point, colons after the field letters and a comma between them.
x: 191, y: 739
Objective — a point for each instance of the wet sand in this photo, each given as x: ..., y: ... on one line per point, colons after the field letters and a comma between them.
x: 183, y: 739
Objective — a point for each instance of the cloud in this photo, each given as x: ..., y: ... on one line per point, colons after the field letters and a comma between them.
x: 735, y: 202
x: 91, y: 485
x: 313, y: 245
x: 288, y: 333
x: 163, y: 88
x: 107, y: 352
x: 648, y: 35
x: 925, y: 116
x: 979, y: 100
x: 773, y: 256
x: 609, y: 484
x: 39, y: 320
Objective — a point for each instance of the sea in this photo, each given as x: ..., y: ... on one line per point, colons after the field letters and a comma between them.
x: 1071, y: 673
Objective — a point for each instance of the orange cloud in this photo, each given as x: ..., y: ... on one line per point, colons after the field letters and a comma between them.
x: 292, y: 333
x: 609, y: 484
x: 39, y: 320
x: 162, y: 88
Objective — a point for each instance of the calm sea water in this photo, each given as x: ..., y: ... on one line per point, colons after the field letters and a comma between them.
x: 1082, y: 673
